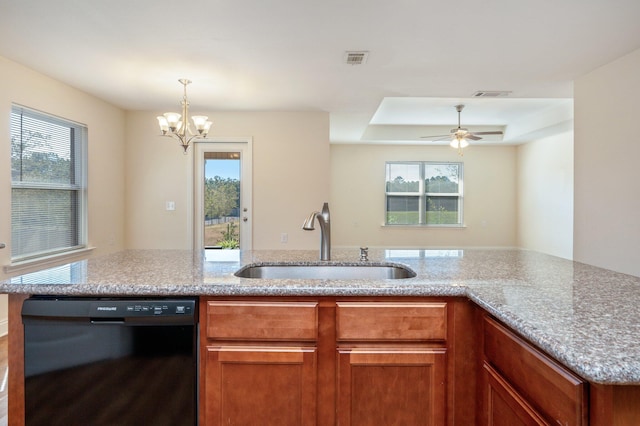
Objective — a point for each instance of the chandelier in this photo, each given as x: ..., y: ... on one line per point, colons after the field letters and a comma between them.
x: 177, y: 125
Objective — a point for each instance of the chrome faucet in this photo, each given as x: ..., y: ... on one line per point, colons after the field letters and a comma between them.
x: 325, y: 230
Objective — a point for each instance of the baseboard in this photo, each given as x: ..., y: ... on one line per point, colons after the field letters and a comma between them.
x: 4, y: 326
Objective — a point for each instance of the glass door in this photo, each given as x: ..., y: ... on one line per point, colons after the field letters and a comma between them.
x: 221, y: 200
x: 222, y: 195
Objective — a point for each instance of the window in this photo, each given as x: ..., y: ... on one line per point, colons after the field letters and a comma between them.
x: 423, y: 193
x: 48, y: 184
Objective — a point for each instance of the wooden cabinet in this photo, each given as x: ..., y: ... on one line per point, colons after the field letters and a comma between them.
x: 243, y: 384
x: 325, y: 361
x: 505, y: 406
x: 258, y: 363
x: 523, y: 386
x: 391, y: 386
x: 392, y: 365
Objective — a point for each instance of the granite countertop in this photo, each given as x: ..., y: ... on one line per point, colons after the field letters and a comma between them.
x: 585, y: 317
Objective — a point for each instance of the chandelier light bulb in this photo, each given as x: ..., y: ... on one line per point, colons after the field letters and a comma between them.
x: 173, y: 119
x: 200, y: 122
x: 163, y: 123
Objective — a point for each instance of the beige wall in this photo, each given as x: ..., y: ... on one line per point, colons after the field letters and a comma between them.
x: 357, y: 197
x: 545, y: 195
x: 607, y: 176
x: 290, y: 177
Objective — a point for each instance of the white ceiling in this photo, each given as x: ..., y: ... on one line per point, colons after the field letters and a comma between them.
x: 425, y: 56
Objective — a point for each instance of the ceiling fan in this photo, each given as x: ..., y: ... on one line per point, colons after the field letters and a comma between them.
x: 460, y: 136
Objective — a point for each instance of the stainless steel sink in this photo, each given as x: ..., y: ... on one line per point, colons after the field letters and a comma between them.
x: 326, y: 272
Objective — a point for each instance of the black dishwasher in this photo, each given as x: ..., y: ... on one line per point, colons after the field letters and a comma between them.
x: 106, y: 361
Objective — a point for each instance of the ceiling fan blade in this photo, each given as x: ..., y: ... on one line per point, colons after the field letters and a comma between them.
x: 487, y: 133
x: 435, y: 137
x: 473, y: 137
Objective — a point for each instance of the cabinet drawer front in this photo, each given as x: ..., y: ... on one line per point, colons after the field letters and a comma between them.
x: 556, y: 392
x: 274, y: 321
x: 364, y: 321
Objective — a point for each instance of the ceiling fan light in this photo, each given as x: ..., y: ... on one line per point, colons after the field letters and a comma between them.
x: 459, y: 143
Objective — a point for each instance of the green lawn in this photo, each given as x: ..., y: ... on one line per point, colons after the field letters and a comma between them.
x: 433, y: 218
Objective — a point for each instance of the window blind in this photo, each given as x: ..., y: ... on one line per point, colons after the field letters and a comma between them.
x: 48, y: 164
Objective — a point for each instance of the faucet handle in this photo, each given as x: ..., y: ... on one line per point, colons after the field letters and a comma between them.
x: 364, y: 254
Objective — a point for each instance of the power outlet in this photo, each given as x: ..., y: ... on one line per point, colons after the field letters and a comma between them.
x: 284, y: 238
x: 170, y: 205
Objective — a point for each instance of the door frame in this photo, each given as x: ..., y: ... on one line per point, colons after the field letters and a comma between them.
x: 244, y: 145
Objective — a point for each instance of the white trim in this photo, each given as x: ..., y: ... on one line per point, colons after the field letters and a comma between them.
x: 48, y: 261
x: 224, y: 144
x: 424, y: 226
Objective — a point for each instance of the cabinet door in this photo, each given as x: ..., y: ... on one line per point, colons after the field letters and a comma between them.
x: 391, y: 386
x: 504, y: 406
x: 260, y: 385
x: 555, y: 392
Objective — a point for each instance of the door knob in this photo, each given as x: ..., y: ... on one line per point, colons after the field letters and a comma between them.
x: 2, y: 245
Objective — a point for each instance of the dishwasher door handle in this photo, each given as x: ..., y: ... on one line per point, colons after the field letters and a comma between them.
x: 107, y: 321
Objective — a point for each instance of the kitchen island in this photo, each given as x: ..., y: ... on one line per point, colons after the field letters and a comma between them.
x: 584, y: 317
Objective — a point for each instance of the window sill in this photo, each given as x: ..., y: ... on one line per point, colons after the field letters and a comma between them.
x: 385, y: 225
x: 32, y: 265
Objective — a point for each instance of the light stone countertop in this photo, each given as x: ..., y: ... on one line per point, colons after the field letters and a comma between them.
x: 587, y: 318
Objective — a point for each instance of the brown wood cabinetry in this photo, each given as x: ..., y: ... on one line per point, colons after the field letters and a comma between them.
x: 244, y: 384
x: 523, y: 386
x: 391, y: 363
x: 505, y: 406
x: 326, y: 361
x: 390, y: 386
x: 258, y: 363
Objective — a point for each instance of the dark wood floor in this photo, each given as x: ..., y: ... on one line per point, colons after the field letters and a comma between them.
x: 3, y: 381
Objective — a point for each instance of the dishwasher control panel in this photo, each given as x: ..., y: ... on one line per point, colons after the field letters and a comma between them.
x: 141, y: 308
x: 129, y: 310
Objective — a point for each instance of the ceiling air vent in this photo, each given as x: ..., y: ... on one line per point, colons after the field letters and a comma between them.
x: 491, y: 93
x: 356, y: 58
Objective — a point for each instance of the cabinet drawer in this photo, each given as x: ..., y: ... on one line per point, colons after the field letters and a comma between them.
x: 368, y: 321
x: 553, y: 390
x: 273, y: 321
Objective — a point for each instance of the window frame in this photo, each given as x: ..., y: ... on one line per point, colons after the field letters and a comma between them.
x: 77, y: 186
x: 423, y: 196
